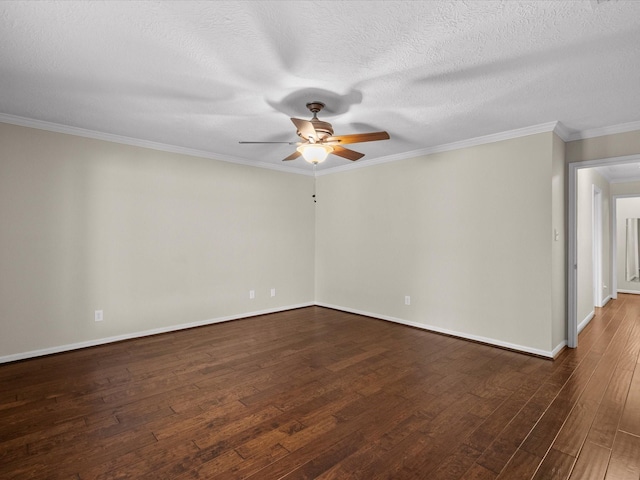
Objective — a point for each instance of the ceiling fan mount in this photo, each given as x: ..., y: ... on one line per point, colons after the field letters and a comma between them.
x: 315, y: 107
x: 318, y: 140
x: 323, y: 129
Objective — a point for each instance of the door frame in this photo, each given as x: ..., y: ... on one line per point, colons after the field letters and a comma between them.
x: 596, y: 243
x: 572, y: 247
x: 614, y: 238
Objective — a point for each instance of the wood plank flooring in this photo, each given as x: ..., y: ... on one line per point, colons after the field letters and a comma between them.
x: 316, y: 393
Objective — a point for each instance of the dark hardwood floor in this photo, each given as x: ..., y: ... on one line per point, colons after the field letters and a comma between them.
x: 316, y: 393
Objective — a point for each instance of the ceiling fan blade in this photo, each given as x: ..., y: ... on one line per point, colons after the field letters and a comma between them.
x: 346, y: 153
x: 293, y: 156
x: 305, y: 127
x: 358, y: 137
x: 288, y: 143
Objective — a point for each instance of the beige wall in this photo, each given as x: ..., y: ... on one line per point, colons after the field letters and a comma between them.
x: 558, y: 243
x: 154, y: 239
x: 466, y: 233
x: 626, y: 188
x: 606, y: 146
x: 159, y: 240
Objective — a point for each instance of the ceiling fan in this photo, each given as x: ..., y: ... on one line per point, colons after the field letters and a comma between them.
x: 318, y: 140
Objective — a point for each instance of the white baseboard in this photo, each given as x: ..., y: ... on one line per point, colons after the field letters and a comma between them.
x: 466, y: 336
x: 606, y: 300
x: 633, y: 292
x: 559, y: 348
x: 145, y: 333
x: 586, y: 321
x: 184, y: 326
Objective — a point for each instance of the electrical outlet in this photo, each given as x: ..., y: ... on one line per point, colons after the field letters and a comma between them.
x: 252, y: 294
x: 98, y: 315
x: 407, y: 300
x: 273, y: 292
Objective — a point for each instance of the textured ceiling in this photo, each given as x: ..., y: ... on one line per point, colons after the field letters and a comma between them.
x: 204, y: 75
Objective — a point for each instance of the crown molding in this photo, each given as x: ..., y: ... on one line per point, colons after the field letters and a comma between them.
x: 599, y: 132
x: 562, y: 131
x: 108, y: 137
x: 556, y: 127
x: 472, y: 142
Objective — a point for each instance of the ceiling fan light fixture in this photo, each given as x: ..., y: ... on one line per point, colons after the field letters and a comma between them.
x: 315, y: 153
x: 318, y: 140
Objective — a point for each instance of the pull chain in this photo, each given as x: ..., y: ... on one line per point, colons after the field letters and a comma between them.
x: 314, y: 183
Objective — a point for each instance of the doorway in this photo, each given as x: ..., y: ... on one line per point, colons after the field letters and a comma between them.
x: 572, y: 260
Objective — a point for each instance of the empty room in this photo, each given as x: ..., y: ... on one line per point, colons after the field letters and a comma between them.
x: 320, y: 239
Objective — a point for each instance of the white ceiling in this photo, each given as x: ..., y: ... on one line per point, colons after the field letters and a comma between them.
x: 205, y: 75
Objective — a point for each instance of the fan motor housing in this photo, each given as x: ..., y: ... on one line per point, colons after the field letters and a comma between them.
x: 323, y: 129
